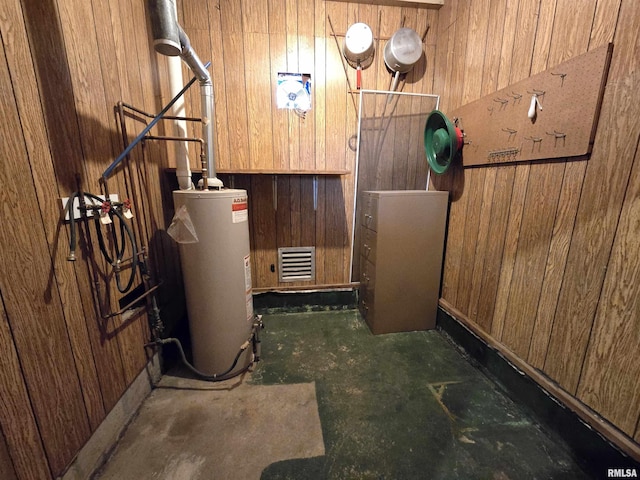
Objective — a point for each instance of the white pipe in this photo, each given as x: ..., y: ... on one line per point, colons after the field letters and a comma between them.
x: 167, y: 35
x: 183, y: 169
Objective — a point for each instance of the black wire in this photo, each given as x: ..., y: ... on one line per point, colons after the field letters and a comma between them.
x: 103, y: 248
x: 134, y: 252
x: 119, y: 243
x: 119, y: 246
x: 216, y: 377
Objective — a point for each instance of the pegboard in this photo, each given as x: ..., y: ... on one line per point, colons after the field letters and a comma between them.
x: 498, y: 129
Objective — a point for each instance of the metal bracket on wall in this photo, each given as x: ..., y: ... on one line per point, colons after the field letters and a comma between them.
x: 274, y: 191
x: 315, y: 193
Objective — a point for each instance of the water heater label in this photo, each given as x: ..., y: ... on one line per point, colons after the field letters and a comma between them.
x: 239, y: 210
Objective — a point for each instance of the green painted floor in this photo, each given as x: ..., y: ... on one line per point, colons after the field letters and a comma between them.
x: 401, y: 406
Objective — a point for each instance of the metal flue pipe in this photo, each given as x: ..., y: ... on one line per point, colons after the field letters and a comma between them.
x: 170, y: 39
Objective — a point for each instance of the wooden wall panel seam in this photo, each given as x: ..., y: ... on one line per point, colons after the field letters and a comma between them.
x: 559, y: 369
x: 112, y: 90
x: 474, y: 180
x: 459, y: 51
x: 510, y: 250
x: 234, y: 58
x: 455, y: 232
x: 538, y: 361
x: 543, y: 189
x: 477, y: 28
x: 481, y: 246
x: 89, y: 98
x: 223, y: 149
x: 487, y: 86
x: 38, y: 151
x: 562, y: 41
x: 623, y: 423
x: 507, y: 48
x: 535, y: 35
x: 523, y: 41
x: 613, y: 12
x: 499, y: 220
x: 544, y: 34
x: 24, y: 440
x: 34, y: 346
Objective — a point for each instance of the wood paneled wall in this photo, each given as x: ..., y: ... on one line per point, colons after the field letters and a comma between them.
x: 249, y: 43
x: 63, y: 67
x: 544, y: 257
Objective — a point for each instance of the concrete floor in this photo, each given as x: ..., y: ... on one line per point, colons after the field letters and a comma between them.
x: 331, y: 401
x: 190, y: 429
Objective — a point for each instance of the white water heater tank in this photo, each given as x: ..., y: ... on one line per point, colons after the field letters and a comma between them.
x: 217, y: 278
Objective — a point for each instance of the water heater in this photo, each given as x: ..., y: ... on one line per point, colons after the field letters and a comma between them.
x: 217, y: 278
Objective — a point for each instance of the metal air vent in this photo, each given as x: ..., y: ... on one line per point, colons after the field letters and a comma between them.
x: 296, y: 264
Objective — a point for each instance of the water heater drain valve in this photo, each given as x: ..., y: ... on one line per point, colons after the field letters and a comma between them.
x: 258, y: 325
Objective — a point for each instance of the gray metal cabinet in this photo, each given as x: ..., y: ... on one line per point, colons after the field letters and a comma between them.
x: 401, y: 253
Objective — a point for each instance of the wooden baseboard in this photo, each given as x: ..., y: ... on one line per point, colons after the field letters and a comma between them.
x: 309, y: 288
x: 589, y: 416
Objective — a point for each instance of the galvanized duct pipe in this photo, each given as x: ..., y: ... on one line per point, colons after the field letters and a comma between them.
x: 171, y: 40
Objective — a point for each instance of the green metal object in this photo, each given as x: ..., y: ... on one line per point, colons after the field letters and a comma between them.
x: 441, y: 141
